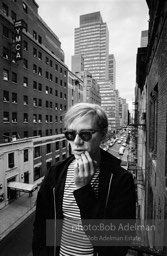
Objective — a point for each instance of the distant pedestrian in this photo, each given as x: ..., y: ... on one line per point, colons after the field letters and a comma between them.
x: 88, y: 186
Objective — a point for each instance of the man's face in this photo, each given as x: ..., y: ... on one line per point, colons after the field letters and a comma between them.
x: 79, y: 146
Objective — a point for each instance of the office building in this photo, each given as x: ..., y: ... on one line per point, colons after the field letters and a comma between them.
x: 144, y: 38
x: 33, y: 91
x: 112, y: 70
x: 92, y: 42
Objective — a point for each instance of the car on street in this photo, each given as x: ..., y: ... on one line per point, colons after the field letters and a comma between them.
x: 119, y: 141
x: 124, y: 144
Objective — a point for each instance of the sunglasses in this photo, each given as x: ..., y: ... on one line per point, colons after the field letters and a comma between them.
x: 85, y: 135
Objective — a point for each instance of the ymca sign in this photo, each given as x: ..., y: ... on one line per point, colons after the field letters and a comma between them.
x: 18, y: 38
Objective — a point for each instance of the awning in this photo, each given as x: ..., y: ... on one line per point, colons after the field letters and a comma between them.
x: 22, y: 186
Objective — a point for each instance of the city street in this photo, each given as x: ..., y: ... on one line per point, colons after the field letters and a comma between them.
x: 18, y: 242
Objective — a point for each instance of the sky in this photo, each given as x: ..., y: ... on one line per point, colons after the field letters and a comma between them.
x: 125, y: 20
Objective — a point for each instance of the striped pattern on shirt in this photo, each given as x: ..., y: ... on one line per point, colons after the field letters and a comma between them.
x: 74, y: 240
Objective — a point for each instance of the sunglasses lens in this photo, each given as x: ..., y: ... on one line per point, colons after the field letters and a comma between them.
x: 70, y: 135
x: 86, y: 136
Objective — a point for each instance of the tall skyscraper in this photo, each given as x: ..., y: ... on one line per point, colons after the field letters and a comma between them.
x: 92, y: 42
x: 112, y: 70
x: 144, y: 38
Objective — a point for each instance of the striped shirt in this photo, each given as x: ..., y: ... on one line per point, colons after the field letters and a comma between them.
x: 74, y: 240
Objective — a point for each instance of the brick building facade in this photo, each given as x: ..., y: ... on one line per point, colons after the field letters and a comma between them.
x: 152, y: 81
x: 33, y: 91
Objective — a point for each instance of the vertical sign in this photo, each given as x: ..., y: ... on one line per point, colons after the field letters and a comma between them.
x: 18, y: 45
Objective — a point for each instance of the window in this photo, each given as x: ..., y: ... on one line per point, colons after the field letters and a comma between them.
x: 40, y: 55
x: 47, y: 60
x: 6, y: 117
x: 25, y: 7
x: 39, y: 118
x: 5, y: 75
x: 57, y: 145
x: 153, y: 122
x: 5, y: 9
x: 25, y: 117
x: 61, y: 82
x: 25, y: 46
x: 51, y: 77
x: 56, y: 92
x: 14, y: 97
x: 25, y: 63
x: 14, y: 77
x: 35, y: 35
x: 51, y: 105
x: 40, y: 71
x: 40, y: 87
x: 56, y: 79
x: 25, y: 134
x: 25, y: 155
x: 56, y: 119
x: 50, y: 119
x: 14, y: 117
x: 47, y: 74
x: 6, y: 137
x: 35, y: 102
x: 37, y: 151
x: 40, y: 102
x: 64, y: 143
x: 5, y: 53
x: 25, y: 81
x: 48, y: 148
x: 51, y: 91
x: 34, y: 52
x: 56, y: 67
x: 34, y: 118
x: 48, y: 165
x: 34, y: 68
x: 13, y: 57
x: 56, y: 106
x: 5, y: 96
x: 34, y: 85
x: 47, y: 119
x: 61, y: 70
x: 13, y: 16
x: 61, y: 95
x: 40, y: 39
x: 37, y: 173
x: 5, y: 32
x: 47, y: 104
x: 11, y: 160
x: 51, y: 63
x: 25, y: 26
x: 34, y: 133
x: 25, y: 100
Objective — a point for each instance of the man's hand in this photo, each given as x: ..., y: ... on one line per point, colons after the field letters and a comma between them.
x: 84, y: 170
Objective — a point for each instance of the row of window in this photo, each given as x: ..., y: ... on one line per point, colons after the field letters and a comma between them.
x: 37, y: 118
x: 14, y: 79
x: 37, y: 153
x: 49, y: 147
x: 36, y: 102
x: 48, y: 132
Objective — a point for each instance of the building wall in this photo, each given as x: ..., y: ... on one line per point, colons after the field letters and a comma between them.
x: 32, y: 167
x: 38, y: 80
x: 157, y: 120
x: 92, y: 42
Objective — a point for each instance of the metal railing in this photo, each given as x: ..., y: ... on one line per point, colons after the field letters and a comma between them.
x: 144, y: 251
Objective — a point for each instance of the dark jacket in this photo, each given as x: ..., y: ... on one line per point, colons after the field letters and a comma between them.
x: 115, y: 202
